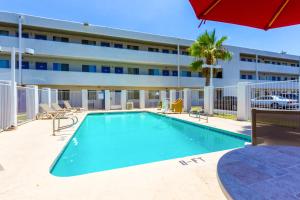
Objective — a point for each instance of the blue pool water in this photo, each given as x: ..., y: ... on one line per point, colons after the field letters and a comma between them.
x: 115, y: 140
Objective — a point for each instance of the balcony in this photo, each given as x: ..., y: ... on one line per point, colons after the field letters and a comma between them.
x: 44, y: 48
x: 41, y: 77
x: 269, y: 68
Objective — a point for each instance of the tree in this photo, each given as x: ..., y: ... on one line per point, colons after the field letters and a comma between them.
x: 208, y: 49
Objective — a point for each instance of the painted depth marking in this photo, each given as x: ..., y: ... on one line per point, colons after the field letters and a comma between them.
x: 193, y: 160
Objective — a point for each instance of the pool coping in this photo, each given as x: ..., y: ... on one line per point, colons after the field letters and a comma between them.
x: 222, y: 131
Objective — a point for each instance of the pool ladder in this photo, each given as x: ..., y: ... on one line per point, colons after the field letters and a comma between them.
x: 60, y: 116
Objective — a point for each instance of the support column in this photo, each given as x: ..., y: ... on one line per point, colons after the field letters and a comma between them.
x: 209, y: 100
x: 107, y: 99
x: 32, y: 101
x: 243, y: 102
x: 187, y: 99
x: 46, y: 96
x: 84, y: 99
x: 163, y: 95
x: 123, y: 99
x: 142, y: 99
x: 172, y: 96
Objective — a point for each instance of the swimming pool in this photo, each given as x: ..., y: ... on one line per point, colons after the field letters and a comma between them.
x: 107, y: 141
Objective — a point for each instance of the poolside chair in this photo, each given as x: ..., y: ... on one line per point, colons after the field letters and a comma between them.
x: 159, y: 105
x: 57, y: 107
x: 177, y: 106
x: 198, y: 112
x: 69, y: 107
x: 46, y: 112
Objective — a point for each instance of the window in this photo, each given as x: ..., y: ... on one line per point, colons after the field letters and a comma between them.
x: 105, y: 69
x: 200, y: 74
x: 25, y: 64
x: 278, y: 78
x: 24, y: 35
x: 4, y: 64
x: 249, y: 60
x: 41, y: 66
x: 105, y: 44
x: 174, y: 73
x: 186, y: 53
x: 273, y: 78
x: 40, y: 37
x: 60, y: 39
x: 166, y: 72
x: 133, y: 94
x: 174, y: 52
x: 88, y: 42
x: 132, y: 47
x: 243, y: 59
x: 267, y: 62
x: 165, y: 51
x: 243, y: 76
x: 133, y: 71
x: 153, y: 94
x: 63, y: 95
x: 250, y: 77
x: 92, y: 95
x: 153, y: 49
x: 119, y: 70
x: 120, y: 46
x: 4, y: 33
x: 278, y: 63
x: 89, y: 68
x: 153, y: 72
x: 219, y: 73
x: 60, y: 67
x: 186, y: 74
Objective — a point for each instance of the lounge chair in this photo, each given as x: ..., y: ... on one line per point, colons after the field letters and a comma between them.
x: 198, y: 112
x: 69, y: 107
x: 48, y: 113
x: 57, y: 107
x: 177, y: 106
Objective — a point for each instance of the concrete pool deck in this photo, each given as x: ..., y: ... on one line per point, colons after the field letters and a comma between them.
x: 27, y: 153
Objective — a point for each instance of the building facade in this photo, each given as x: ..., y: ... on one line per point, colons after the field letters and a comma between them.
x: 75, y: 56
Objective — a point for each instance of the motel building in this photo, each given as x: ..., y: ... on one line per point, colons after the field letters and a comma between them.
x: 109, y: 64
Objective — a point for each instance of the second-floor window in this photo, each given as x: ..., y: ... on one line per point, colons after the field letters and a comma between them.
x: 24, y: 35
x: 105, y: 44
x: 119, y: 46
x: 186, y: 74
x: 132, y: 47
x: 165, y: 72
x: 60, y: 67
x: 153, y: 49
x: 89, y: 68
x: 88, y: 42
x: 25, y: 64
x: 41, y: 65
x: 105, y: 69
x: 153, y: 72
x: 4, y: 33
x: 133, y: 71
x: 186, y: 53
x: 174, y: 73
x: 60, y: 39
x: 119, y: 70
x: 174, y: 52
x: 200, y: 74
x: 4, y: 64
x: 40, y: 37
x: 165, y: 51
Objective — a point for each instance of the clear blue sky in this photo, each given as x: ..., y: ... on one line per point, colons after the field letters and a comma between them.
x: 164, y: 17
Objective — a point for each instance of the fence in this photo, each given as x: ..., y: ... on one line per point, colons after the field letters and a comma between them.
x: 25, y: 104
x: 5, y: 109
x: 134, y: 97
x: 197, y: 97
x: 96, y: 99
x: 225, y: 100
x: 152, y: 98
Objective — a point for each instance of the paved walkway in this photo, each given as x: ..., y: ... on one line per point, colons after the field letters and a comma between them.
x: 26, y: 156
x: 264, y: 172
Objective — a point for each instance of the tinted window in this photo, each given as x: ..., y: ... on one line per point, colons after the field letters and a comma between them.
x: 105, y: 44
x: 186, y: 73
x: 40, y: 37
x: 165, y: 51
x: 89, y: 68
x: 4, y: 33
x: 174, y: 73
x: 165, y: 72
x: 25, y: 64
x: 24, y: 35
x: 119, y: 70
x: 105, y: 69
x: 4, y: 64
x: 60, y: 39
x: 133, y: 70
x: 41, y: 66
x: 153, y: 72
x: 60, y: 67
x: 88, y: 42
x: 120, y: 46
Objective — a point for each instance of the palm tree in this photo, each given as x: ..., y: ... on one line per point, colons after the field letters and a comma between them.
x: 207, y: 49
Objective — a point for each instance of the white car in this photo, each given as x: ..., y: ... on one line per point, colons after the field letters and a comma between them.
x: 275, y: 102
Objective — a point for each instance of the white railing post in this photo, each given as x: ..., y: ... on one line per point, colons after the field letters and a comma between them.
x: 123, y: 99
x: 209, y: 100
x: 172, y: 96
x: 187, y: 99
x: 84, y: 99
x: 32, y: 101
x: 107, y: 99
x: 242, y: 101
x: 46, y: 96
x: 142, y: 99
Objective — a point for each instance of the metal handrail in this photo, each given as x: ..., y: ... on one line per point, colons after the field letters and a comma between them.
x: 62, y: 115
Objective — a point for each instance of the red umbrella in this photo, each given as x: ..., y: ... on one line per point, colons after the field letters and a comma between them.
x: 262, y: 14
